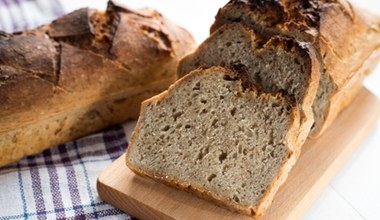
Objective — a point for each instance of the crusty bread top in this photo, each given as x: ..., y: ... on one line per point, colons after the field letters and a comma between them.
x: 85, y: 55
x: 301, y: 15
x: 344, y: 35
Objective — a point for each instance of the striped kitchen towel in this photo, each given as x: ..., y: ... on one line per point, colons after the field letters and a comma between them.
x: 58, y: 183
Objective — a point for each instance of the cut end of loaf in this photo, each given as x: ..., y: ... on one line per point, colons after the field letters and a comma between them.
x: 212, y: 136
x: 301, y: 21
x: 277, y: 65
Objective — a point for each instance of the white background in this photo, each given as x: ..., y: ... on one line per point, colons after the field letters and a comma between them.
x: 354, y: 193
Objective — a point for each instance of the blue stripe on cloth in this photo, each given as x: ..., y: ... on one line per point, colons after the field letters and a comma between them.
x: 76, y: 163
x: 114, y: 211
x: 114, y: 138
x: 91, y: 196
x: 71, y: 181
x: 22, y: 191
x: 11, y: 168
x: 100, y: 214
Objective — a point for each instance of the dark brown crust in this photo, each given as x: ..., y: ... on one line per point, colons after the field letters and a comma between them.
x: 254, y: 210
x: 13, y: 100
x: 271, y: 12
x: 294, y: 14
x: 75, y: 24
x: 24, y: 54
x: 83, y: 57
x: 334, y: 27
x: 38, y: 53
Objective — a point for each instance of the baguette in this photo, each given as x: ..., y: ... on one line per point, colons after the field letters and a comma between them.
x: 346, y: 38
x: 83, y: 72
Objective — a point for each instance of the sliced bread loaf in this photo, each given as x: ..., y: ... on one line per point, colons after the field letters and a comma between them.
x: 215, y: 134
x: 347, y: 41
x: 278, y: 64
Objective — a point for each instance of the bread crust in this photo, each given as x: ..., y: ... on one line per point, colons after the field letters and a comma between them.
x: 303, y: 49
x: 78, y: 61
x: 255, y: 211
x: 351, y: 89
x: 344, y: 36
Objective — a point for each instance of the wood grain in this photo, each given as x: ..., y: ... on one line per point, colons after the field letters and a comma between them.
x: 319, y: 162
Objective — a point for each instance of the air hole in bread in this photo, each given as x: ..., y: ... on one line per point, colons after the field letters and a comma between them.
x: 211, y: 177
x: 166, y: 128
x: 222, y: 157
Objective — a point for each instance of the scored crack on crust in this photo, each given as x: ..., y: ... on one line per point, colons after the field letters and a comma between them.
x: 38, y: 53
x: 80, y: 59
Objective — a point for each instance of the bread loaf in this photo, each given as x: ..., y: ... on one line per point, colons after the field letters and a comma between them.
x: 230, y: 136
x: 231, y: 129
x: 278, y: 64
x: 215, y: 134
x: 346, y: 38
x: 83, y: 72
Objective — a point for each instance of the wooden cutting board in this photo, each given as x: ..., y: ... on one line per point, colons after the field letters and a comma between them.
x: 319, y: 162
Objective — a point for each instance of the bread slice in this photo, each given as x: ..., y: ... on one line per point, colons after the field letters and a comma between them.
x: 346, y: 38
x: 215, y: 134
x: 277, y: 64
